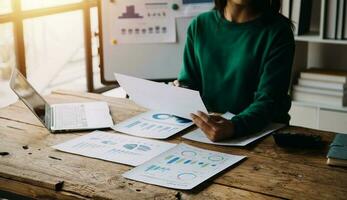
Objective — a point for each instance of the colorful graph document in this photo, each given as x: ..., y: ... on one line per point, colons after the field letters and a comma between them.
x: 115, y: 147
x: 162, y: 97
x: 146, y: 21
x: 182, y: 167
x: 153, y: 124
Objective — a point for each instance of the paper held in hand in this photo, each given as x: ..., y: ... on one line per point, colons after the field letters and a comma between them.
x: 162, y: 97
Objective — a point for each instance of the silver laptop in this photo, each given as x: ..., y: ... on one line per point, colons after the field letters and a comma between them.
x: 61, y: 117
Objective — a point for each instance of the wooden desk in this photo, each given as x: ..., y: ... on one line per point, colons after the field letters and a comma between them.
x: 34, y: 169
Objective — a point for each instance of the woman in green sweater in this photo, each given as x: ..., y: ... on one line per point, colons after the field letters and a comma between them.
x: 239, y: 56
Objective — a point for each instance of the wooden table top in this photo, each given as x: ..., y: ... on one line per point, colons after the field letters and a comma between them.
x: 34, y: 169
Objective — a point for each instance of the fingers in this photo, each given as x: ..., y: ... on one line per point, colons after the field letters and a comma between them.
x: 217, y: 119
x: 201, y: 124
x: 215, y: 127
x: 176, y: 83
x: 206, y: 118
x: 211, y: 130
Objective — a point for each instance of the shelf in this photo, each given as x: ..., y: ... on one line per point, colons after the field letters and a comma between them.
x: 317, y: 39
x: 323, y: 106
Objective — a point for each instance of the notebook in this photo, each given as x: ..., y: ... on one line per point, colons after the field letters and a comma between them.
x: 337, y: 154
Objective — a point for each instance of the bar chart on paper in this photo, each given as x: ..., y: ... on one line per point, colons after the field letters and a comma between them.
x: 115, y: 147
x: 153, y: 125
x: 182, y: 167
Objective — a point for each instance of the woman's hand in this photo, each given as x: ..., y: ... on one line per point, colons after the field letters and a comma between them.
x: 178, y: 84
x: 215, y: 127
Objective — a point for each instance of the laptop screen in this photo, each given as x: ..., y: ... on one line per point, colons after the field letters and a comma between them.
x: 28, y: 95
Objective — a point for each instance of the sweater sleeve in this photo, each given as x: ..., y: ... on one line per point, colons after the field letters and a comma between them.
x: 189, y: 74
x: 271, y: 96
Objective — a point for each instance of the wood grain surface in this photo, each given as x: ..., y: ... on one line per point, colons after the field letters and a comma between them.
x: 34, y: 169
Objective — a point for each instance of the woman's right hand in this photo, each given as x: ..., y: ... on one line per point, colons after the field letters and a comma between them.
x: 176, y: 83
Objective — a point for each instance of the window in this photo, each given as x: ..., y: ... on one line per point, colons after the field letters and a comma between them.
x: 54, y: 46
x: 7, y: 54
x: 41, y: 36
x: 36, y: 4
x: 5, y: 7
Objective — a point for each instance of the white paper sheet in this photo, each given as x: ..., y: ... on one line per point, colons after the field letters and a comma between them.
x: 182, y: 167
x: 162, y: 97
x: 115, y: 147
x: 145, y: 21
x: 199, y: 136
x: 153, y: 124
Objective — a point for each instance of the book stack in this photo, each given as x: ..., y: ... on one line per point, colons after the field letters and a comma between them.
x: 322, y: 86
x: 337, y: 154
x: 299, y: 12
x: 335, y: 26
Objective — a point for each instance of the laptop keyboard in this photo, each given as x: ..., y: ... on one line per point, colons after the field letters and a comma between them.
x: 70, y: 116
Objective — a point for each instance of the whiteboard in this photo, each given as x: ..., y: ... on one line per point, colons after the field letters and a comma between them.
x: 149, y: 61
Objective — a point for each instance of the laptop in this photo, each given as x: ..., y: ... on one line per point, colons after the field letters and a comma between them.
x: 61, y: 117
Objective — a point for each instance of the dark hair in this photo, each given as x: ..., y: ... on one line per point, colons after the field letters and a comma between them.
x: 261, y: 5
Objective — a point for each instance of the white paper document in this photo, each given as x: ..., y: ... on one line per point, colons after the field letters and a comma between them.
x: 153, y: 124
x: 182, y: 167
x: 115, y: 147
x: 162, y: 97
x: 145, y: 21
x: 199, y: 136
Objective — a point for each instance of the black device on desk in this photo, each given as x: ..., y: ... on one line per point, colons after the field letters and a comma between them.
x: 297, y: 140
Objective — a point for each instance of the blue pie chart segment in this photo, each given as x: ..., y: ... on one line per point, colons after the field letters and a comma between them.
x: 216, y: 158
x: 161, y: 116
x: 182, y: 120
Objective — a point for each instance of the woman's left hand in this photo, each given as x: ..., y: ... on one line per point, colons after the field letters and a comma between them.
x: 215, y: 127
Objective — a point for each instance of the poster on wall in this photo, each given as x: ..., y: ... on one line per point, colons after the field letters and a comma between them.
x: 147, y: 21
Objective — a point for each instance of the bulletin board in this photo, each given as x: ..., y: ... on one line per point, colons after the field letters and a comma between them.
x: 144, y: 57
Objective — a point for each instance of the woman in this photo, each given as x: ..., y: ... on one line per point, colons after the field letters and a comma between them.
x: 239, y: 56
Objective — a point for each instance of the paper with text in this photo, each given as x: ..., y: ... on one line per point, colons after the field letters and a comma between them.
x: 115, y: 147
x: 153, y: 124
x: 182, y: 167
x: 162, y: 97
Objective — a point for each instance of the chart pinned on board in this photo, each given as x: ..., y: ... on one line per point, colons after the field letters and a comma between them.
x: 148, y: 21
x: 115, y: 147
x: 153, y: 124
x: 182, y: 167
x: 130, y: 13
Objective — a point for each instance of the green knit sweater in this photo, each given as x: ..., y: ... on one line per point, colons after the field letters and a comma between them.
x: 243, y: 68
